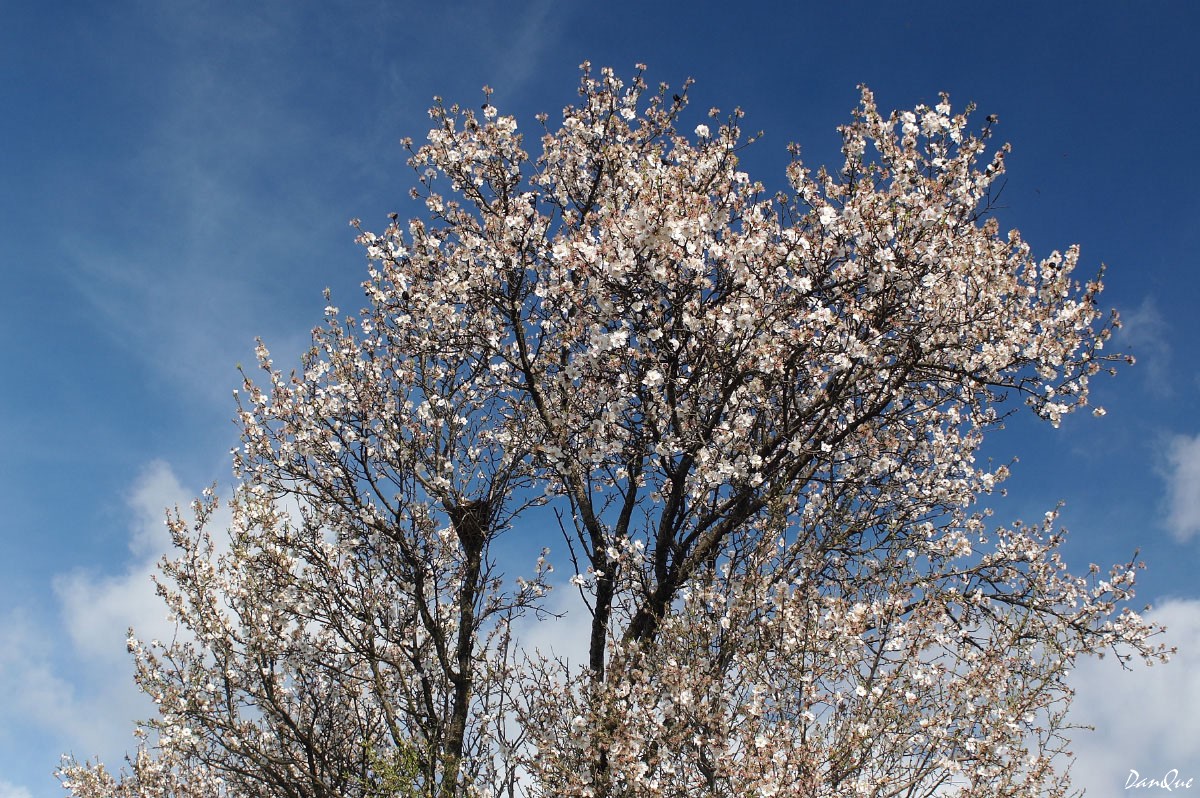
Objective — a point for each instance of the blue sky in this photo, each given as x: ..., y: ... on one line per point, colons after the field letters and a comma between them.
x: 177, y: 177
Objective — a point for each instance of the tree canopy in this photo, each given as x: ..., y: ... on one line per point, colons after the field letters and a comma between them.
x: 755, y: 418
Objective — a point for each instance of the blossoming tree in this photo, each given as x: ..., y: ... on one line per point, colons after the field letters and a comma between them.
x: 754, y: 417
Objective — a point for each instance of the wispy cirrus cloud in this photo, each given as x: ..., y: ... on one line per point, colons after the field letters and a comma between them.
x: 1182, y: 475
x: 1146, y: 335
x: 220, y: 217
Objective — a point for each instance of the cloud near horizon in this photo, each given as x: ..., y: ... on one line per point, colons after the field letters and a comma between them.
x: 1144, y: 720
x: 13, y: 791
x: 67, y: 678
x: 1134, y: 712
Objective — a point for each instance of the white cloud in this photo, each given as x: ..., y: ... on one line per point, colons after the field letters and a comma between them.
x: 66, y: 682
x: 32, y: 692
x: 97, y: 610
x: 564, y: 637
x: 53, y: 702
x: 1141, y: 718
x: 1144, y: 720
x: 1183, y: 486
x: 8, y: 790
